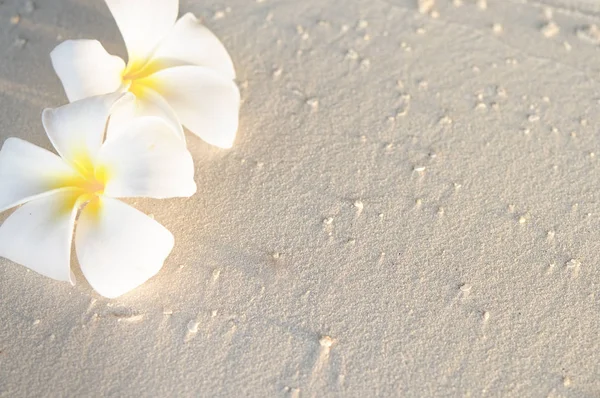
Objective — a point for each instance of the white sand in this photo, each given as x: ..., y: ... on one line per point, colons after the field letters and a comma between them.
x: 412, y: 208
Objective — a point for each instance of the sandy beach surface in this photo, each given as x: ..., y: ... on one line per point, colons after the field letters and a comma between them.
x: 411, y: 209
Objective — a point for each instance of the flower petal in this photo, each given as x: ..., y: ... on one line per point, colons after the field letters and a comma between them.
x: 205, y: 102
x: 38, y: 234
x: 143, y: 23
x: 77, y: 130
x: 148, y: 103
x: 27, y: 171
x: 86, y: 69
x: 147, y: 160
x: 191, y: 43
x: 119, y: 247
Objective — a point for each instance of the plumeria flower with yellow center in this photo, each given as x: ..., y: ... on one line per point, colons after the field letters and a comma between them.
x: 118, y: 247
x: 177, y: 69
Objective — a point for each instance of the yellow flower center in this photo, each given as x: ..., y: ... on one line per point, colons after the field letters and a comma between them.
x: 92, y: 179
x: 88, y: 180
x: 138, y: 75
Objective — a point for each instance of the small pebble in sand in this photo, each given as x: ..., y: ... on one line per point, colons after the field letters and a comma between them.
x: 550, y: 29
x: 352, y: 54
x: 589, y: 34
x: 426, y: 6
x: 362, y: 25
x: 326, y: 341
x: 465, y: 287
x: 573, y: 263
x: 192, y: 326
x: 313, y: 103
x: 404, y: 105
x: 359, y: 205
x: 294, y: 392
x: 445, y: 120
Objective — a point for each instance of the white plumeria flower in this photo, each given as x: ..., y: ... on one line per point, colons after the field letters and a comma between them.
x: 177, y: 69
x: 118, y: 247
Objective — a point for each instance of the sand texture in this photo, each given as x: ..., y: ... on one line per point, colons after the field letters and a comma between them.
x: 411, y: 209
